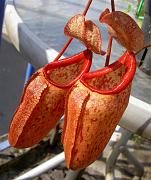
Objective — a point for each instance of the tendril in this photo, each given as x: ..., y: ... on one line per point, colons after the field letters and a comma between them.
x: 108, y: 54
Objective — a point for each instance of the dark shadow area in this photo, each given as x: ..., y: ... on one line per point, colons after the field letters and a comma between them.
x: 125, y: 171
x: 12, y: 72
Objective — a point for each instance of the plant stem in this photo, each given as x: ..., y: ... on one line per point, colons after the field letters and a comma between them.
x: 144, y: 54
x: 87, y: 7
x: 149, y: 45
x: 112, y: 5
x: 70, y: 39
x: 109, y: 48
x: 63, y: 49
x: 143, y: 57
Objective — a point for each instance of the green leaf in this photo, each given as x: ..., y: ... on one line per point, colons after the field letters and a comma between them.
x: 129, y: 8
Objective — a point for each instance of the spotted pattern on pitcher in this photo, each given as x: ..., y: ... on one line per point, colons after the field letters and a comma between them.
x: 124, y: 29
x: 109, y: 81
x: 102, y: 114
x: 41, y: 107
x: 42, y: 102
x: 64, y: 75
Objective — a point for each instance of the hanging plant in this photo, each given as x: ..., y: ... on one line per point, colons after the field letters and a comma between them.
x: 93, y: 102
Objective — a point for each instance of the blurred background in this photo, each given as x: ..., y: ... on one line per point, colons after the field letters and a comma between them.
x: 12, y: 76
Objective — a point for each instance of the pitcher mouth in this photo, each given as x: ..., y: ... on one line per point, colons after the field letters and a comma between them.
x: 102, y: 82
x: 64, y: 73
